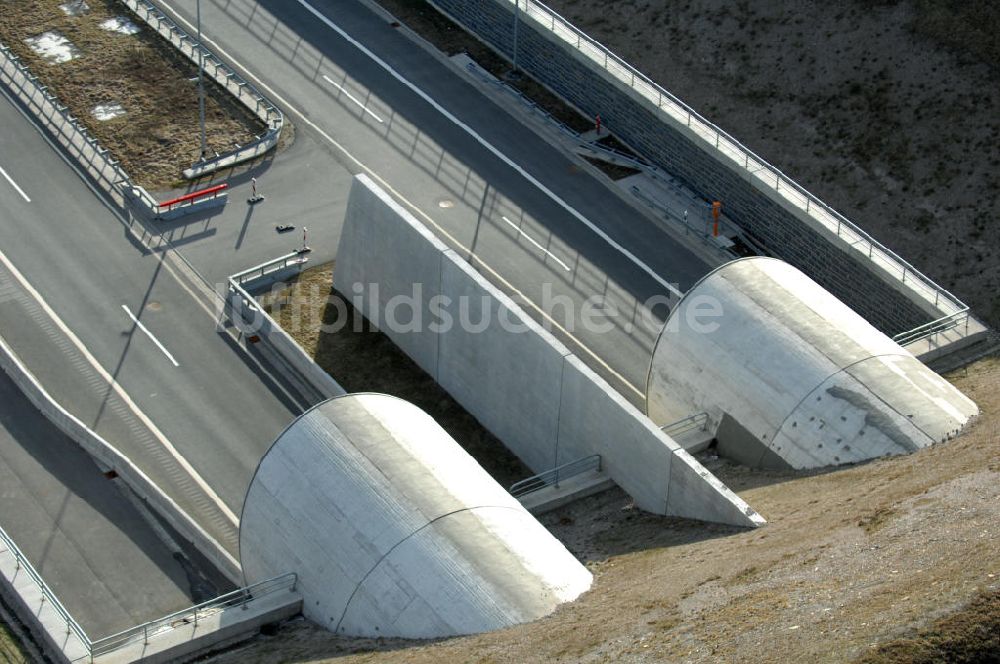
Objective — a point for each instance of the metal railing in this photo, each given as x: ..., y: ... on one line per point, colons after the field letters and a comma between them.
x: 68, y: 131
x: 240, y: 597
x: 190, y: 616
x: 617, y: 156
x: 225, y: 76
x: 22, y: 563
x: 555, y: 475
x: 696, y: 422
x: 938, y: 326
x: 755, y: 166
x: 264, y: 269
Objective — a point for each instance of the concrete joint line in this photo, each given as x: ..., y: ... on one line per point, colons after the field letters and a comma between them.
x: 347, y: 605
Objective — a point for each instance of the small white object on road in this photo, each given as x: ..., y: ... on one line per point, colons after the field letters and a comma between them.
x: 150, y: 335
x: 357, y: 101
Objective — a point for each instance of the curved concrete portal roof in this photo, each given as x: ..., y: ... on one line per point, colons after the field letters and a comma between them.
x: 394, y: 530
x: 792, y: 376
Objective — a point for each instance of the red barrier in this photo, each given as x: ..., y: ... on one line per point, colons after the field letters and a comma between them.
x: 193, y: 195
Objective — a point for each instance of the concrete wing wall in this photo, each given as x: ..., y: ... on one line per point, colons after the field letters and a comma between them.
x: 415, y: 262
x: 510, y: 373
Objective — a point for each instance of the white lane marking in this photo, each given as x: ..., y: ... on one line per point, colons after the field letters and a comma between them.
x: 14, y: 184
x: 532, y: 241
x: 167, y: 247
x: 364, y: 107
x: 163, y: 4
x: 486, y: 144
x: 192, y: 473
x: 150, y: 335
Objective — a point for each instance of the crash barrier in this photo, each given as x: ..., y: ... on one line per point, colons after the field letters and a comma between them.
x: 203, y: 198
x: 68, y: 131
x: 790, y: 222
x: 244, y: 91
x: 254, y: 322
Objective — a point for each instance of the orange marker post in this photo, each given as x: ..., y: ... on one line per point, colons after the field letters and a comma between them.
x: 716, y: 211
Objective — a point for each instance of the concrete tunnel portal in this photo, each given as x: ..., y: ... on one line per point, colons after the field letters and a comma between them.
x: 793, y: 378
x: 396, y: 531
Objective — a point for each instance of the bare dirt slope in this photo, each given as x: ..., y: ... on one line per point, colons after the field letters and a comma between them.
x: 853, y: 563
x: 886, y: 109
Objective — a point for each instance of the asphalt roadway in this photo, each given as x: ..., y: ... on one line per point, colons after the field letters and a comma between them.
x: 185, y: 392
x: 88, y: 306
x: 65, y: 516
x: 429, y: 140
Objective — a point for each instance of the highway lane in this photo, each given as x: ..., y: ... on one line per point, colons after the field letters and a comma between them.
x: 214, y: 406
x: 66, y: 517
x: 449, y: 177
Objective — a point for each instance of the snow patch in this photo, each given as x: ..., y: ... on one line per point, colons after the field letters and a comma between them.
x: 121, y: 25
x: 53, y: 47
x: 105, y: 112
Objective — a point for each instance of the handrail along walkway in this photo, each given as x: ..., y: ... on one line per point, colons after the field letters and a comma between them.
x: 240, y: 597
x: 554, y: 475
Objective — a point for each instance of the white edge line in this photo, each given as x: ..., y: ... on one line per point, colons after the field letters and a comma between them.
x: 364, y: 107
x: 399, y: 196
x: 184, y: 463
x: 167, y: 247
x: 14, y: 184
x: 150, y: 335
x: 486, y: 144
x: 532, y: 241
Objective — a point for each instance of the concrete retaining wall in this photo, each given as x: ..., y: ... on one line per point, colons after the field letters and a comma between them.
x: 526, y: 387
x: 784, y: 229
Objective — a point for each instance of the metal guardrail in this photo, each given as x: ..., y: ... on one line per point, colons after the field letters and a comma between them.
x: 553, y: 476
x: 22, y: 563
x: 926, y: 330
x: 617, y: 156
x: 69, y: 131
x: 755, y: 166
x: 273, y: 265
x: 240, y: 597
x: 696, y: 422
x: 225, y: 76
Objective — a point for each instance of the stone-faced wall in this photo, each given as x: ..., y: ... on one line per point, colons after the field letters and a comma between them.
x: 780, y: 228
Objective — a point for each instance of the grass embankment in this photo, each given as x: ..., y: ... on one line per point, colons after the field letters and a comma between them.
x: 363, y: 359
x: 10, y: 651
x: 159, y: 134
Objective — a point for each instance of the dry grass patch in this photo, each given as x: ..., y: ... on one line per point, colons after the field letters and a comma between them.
x: 10, y: 652
x: 363, y: 359
x: 159, y: 134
